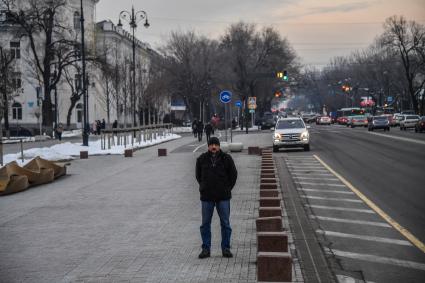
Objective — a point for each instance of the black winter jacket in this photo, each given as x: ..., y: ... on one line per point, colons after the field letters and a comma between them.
x: 216, y: 179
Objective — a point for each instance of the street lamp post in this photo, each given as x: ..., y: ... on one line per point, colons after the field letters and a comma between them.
x: 84, y: 82
x: 133, y: 19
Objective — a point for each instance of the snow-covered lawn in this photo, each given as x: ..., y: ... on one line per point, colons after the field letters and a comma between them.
x: 68, y: 150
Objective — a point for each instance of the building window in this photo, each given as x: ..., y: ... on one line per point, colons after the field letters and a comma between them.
x: 79, y: 108
x: 16, y: 80
x: 17, y: 111
x: 76, y: 20
x: 15, y: 49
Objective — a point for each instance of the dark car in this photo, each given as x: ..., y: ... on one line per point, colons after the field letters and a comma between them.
x: 420, y: 125
x: 268, y: 121
x: 379, y: 122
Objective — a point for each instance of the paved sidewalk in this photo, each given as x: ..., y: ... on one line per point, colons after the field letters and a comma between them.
x: 128, y: 220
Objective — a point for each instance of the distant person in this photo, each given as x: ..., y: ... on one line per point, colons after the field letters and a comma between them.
x: 103, y: 125
x: 98, y: 127
x: 94, y: 127
x: 200, y: 129
x: 59, y: 131
x: 208, y: 130
x: 194, y: 129
x: 216, y: 174
x: 115, y: 124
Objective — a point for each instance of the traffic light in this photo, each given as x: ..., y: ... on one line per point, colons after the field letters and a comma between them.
x: 285, y: 75
x: 282, y: 75
x: 277, y: 94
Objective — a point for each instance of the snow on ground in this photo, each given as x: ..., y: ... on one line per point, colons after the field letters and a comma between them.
x: 182, y: 129
x: 68, y: 151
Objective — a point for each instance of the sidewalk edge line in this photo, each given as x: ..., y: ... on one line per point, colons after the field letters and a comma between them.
x: 373, y: 206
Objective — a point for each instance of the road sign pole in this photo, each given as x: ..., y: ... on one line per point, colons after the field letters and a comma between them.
x: 231, y: 123
x: 225, y: 121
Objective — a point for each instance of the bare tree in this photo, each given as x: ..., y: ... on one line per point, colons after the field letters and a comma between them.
x: 251, y: 54
x: 407, y: 38
x: 52, y: 44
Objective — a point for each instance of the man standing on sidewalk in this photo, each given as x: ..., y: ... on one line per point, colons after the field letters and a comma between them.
x: 216, y: 174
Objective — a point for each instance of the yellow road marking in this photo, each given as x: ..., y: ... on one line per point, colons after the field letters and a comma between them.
x: 373, y: 206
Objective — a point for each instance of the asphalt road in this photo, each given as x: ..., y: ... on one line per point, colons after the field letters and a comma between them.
x: 387, y: 168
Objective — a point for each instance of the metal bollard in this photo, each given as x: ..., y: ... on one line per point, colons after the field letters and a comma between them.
x: 22, y: 150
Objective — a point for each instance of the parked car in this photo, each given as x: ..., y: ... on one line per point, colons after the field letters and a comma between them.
x: 268, y: 121
x: 291, y: 132
x: 408, y: 121
x: 396, y: 119
x: 323, y: 120
x: 309, y: 117
x: 379, y: 122
x: 358, y: 121
x: 342, y: 120
x: 420, y: 125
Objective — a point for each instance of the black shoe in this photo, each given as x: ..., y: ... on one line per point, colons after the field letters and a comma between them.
x: 227, y: 253
x: 204, y: 254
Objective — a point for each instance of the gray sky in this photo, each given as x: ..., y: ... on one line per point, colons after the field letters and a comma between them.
x: 318, y: 30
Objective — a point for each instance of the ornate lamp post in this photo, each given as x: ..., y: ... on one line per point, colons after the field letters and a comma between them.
x: 84, y: 82
x: 133, y: 19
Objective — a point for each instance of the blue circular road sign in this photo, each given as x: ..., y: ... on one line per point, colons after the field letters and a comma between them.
x: 225, y: 96
x: 238, y: 103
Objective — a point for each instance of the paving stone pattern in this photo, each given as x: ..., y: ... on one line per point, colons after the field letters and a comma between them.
x: 116, y: 219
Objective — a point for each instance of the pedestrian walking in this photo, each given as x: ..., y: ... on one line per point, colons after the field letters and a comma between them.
x: 200, y: 129
x: 208, y: 130
x: 216, y: 174
x: 194, y: 130
x: 98, y: 127
x: 103, y: 124
x: 59, y: 131
x: 94, y: 127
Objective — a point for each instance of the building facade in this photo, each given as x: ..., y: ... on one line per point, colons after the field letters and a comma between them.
x: 102, y: 39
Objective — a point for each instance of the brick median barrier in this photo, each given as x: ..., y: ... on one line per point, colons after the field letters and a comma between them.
x: 267, y: 175
x: 128, y: 153
x: 268, y: 171
x: 253, y: 150
x: 269, y: 224
x: 267, y: 167
x: 269, y: 211
x: 270, y: 202
x: 269, y: 193
x: 268, y: 186
x: 274, y: 267
x: 84, y: 154
x: 162, y: 152
x: 268, y: 180
x: 272, y: 242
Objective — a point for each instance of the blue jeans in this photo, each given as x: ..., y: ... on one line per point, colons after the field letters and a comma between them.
x: 223, y: 210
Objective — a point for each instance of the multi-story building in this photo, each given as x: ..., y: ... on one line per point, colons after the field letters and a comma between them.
x: 101, y: 38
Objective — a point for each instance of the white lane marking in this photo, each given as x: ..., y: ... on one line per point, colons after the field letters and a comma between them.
x: 315, y: 174
x: 302, y: 163
x: 347, y: 279
x: 319, y: 184
x: 343, y: 220
x: 308, y: 170
x: 326, y: 191
x: 365, y: 238
x: 312, y: 178
x: 335, y: 199
x: 398, y: 138
x: 305, y: 167
x: 342, y: 208
x: 378, y: 259
x: 199, y: 147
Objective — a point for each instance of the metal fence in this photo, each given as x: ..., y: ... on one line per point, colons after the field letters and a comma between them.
x: 121, y: 137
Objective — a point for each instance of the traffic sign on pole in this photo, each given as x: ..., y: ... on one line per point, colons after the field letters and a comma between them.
x: 225, y: 96
x: 238, y: 103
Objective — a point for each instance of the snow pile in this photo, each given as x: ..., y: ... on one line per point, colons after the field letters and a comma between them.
x: 182, y: 129
x: 67, y: 150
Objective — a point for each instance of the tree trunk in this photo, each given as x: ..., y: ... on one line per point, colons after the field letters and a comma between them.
x: 74, y: 101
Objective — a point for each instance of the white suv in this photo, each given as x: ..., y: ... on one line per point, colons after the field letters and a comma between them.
x: 291, y: 132
x: 408, y: 121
